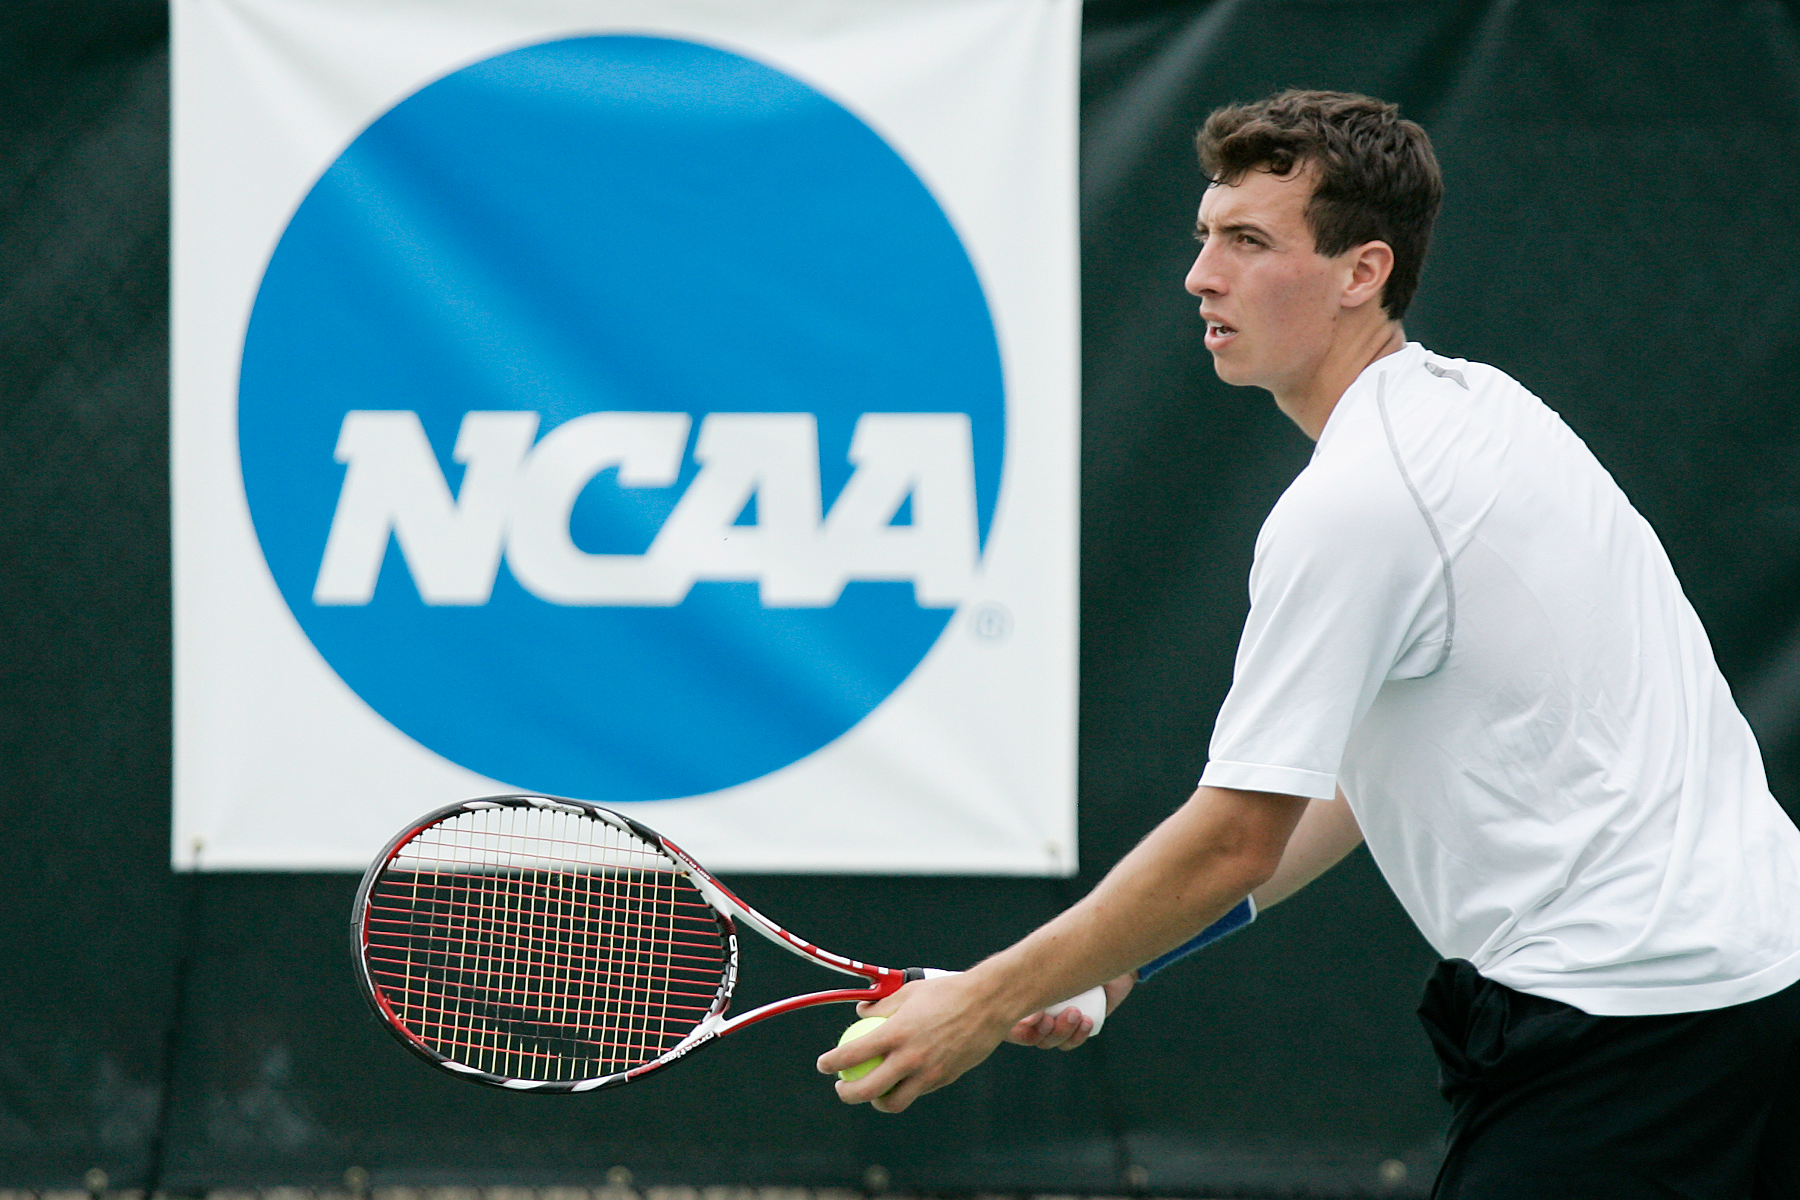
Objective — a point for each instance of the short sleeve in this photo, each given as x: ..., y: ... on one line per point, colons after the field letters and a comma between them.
x: 1347, y: 590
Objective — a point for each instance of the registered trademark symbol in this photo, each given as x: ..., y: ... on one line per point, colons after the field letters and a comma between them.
x: 992, y: 623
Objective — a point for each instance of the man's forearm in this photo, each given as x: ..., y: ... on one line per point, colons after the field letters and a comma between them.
x: 1205, y: 858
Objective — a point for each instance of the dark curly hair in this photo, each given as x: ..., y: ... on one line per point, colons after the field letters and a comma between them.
x: 1378, y: 179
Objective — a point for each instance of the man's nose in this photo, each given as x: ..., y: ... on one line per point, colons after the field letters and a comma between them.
x: 1202, y: 279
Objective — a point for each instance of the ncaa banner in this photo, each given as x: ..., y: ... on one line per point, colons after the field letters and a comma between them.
x: 668, y: 403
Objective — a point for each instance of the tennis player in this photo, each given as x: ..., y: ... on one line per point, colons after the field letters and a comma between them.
x: 1465, y: 647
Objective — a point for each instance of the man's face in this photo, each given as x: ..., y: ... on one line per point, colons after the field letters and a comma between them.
x: 1269, y: 300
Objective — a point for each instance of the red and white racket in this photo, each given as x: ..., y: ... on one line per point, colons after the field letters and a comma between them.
x: 552, y: 945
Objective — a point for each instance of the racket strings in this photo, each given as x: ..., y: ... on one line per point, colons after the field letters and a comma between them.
x: 542, y: 945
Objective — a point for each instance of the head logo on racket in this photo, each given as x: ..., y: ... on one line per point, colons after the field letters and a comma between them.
x: 602, y: 393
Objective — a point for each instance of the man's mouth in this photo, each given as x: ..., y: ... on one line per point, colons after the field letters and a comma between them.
x: 1218, y: 331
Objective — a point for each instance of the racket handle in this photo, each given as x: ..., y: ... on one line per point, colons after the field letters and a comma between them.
x: 1092, y: 1002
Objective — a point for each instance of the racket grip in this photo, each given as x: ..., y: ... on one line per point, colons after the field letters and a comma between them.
x: 1092, y: 1002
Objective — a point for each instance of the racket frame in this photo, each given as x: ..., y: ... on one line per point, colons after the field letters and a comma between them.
x: 727, y: 908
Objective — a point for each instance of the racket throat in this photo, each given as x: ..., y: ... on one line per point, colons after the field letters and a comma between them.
x: 719, y: 1024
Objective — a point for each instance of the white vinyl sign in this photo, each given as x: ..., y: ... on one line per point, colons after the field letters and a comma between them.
x: 667, y: 403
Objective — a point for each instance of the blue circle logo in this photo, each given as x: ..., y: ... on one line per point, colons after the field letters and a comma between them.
x: 621, y: 418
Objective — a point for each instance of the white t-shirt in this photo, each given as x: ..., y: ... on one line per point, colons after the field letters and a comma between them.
x: 1457, y: 617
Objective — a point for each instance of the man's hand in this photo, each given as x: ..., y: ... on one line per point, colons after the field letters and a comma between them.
x: 1069, y: 1029
x: 936, y: 1030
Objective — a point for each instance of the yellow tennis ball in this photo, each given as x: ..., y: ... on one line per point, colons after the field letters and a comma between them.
x: 866, y: 1025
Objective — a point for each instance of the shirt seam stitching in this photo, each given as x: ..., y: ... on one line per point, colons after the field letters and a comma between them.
x: 1437, y: 538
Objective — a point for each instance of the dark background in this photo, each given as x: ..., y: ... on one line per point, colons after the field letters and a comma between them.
x: 1621, y: 234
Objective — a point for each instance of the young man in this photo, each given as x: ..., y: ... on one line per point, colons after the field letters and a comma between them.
x: 1466, y: 645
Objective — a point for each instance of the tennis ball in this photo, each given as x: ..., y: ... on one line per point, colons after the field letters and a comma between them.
x: 866, y: 1025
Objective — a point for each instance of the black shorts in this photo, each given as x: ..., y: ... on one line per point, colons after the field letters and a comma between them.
x: 1549, y: 1103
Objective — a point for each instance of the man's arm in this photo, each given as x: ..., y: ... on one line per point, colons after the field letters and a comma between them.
x: 1326, y: 833
x: 1206, y: 857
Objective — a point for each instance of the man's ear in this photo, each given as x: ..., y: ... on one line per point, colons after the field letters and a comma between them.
x: 1370, y: 265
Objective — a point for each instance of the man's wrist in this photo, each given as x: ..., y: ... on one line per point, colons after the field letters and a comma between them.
x: 998, y: 991
x: 1011, y: 985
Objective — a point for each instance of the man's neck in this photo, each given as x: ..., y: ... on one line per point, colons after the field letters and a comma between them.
x: 1309, y: 405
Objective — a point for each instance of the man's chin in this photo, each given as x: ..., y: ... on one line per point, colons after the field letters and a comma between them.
x: 1230, y: 372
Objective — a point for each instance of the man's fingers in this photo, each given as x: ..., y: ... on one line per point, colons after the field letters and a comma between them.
x: 896, y: 1098
x: 869, y: 1044
x: 1071, y: 1029
x: 878, y: 1008
x: 874, y: 1044
x: 889, y: 1088
x: 849, y: 1054
x: 869, y: 1088
x: 1065, y: 1031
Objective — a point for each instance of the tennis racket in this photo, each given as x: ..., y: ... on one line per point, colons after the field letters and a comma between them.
x: 551, y: 945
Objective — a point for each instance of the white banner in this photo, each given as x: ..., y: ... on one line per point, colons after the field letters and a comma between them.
x: 669, y: 403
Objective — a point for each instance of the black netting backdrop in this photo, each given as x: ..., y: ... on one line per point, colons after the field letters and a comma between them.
x: 1620, y: 234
